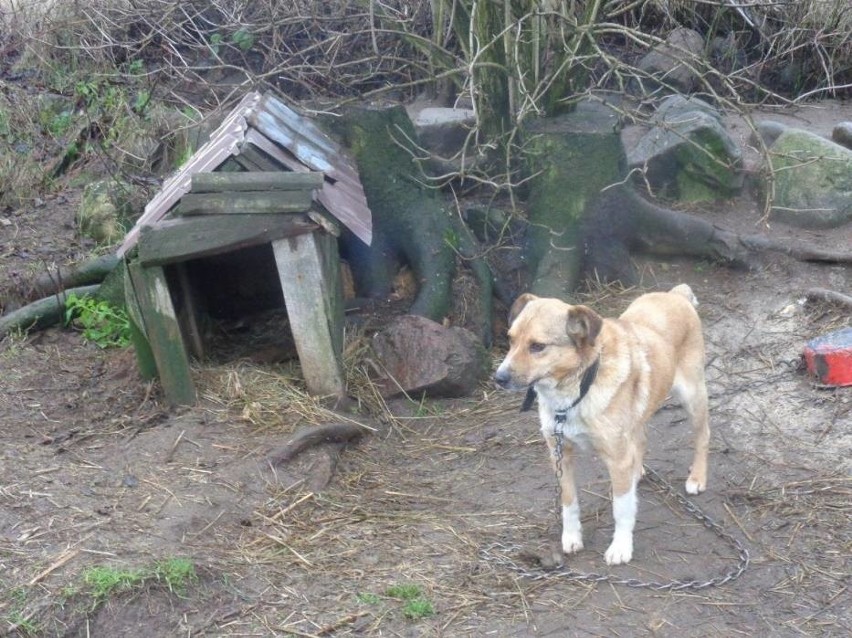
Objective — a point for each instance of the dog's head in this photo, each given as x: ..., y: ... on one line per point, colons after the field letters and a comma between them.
x: 549, y: 341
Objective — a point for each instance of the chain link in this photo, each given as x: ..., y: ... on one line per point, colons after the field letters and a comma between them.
x: 500, y: 553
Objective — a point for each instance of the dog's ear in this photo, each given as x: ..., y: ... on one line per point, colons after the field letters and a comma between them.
x: 583, y: 325
x: 519, y: 305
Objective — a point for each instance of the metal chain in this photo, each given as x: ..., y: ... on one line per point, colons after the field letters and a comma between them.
x: 500, y: 553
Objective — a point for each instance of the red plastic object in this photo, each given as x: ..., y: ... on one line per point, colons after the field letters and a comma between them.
x: 829, y: 357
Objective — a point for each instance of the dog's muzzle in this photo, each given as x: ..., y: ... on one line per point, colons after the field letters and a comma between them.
x: 503, y: 378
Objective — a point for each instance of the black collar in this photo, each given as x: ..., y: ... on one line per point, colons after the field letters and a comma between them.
x: 585, y: 383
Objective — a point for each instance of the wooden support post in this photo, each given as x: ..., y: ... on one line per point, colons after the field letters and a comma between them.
x: 310, y: 279
x: 138, y: 334
x: 188, y: 314
x: 163, y: 332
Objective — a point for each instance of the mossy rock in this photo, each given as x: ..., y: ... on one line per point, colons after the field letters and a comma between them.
x: 106, y: 211
x: 813, y: 180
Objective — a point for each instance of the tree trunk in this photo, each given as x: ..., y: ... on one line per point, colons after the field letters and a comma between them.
x: 410, y: 221
x: 571, y: 159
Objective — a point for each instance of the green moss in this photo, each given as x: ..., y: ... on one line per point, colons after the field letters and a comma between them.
x: 572, y: 158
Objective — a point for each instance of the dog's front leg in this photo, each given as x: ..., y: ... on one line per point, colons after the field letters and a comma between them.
x: 624, y: 506
x: 572, y: 530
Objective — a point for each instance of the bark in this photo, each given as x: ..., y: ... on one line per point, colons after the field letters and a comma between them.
x: 90, y: 272
x: 571, y: 159
x: 308, y: 437
x: 411, y: 222
x: 42, y: 313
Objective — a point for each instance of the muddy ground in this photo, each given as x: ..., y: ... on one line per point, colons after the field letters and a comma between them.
x: 98, y: 471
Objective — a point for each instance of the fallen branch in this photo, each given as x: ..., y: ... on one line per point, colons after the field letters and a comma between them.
x: 42, y: 313
x: 308, y: 437
x: 830, y: 296
x: 93, y: 271
x: 797, y: 251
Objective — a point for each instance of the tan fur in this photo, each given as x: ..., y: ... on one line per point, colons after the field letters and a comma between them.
x: 654, y: 347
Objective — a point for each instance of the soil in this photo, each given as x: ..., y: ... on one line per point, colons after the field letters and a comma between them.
x: 98, y: 471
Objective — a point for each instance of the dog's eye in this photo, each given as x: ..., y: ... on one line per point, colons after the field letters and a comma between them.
x: 537, y: 347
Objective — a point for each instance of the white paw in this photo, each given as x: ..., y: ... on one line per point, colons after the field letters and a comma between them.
x: 620, y: 551
x: 694, y: 487
x: 571, y: 542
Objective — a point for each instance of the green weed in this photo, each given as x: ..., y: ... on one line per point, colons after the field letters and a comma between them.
x: 415, y: 604
x: 102, y: 323
x: 104, y: 581
x: 368, y: 598
x: 177, y: 573
x: 418, y: 608
x: 101, y: 582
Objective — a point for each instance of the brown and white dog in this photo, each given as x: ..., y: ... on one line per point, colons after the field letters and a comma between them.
x: 601, y: 380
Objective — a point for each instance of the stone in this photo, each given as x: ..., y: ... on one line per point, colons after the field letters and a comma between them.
x: 688, y: 154
x: 422, y: 356
x: 443, y: 130
x: 842, y: 134
x: 665, y: 62
x: 813, y: 180
x: 769, y: 131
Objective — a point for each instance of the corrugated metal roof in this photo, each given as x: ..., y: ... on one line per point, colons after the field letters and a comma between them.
x: 292, y: 140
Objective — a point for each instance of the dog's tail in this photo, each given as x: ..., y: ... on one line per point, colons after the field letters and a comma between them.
x: 685, y: 291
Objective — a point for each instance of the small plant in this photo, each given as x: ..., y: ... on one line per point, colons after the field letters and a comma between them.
x: 103, y: 324
x: 177, y: 573
x: 368, y: 598
x: 104, y: 581
x: 243, y: 39
x: 416, y: 605
x: 418, y: 608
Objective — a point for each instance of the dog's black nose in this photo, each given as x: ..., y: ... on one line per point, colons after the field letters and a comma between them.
x: 502, y: 378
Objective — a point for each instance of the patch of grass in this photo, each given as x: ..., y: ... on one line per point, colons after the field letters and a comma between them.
x: 177, y: 573
x: 103, y: 581
x: 418, y: 608
x: 19, y: 621
x: 102, y: 323
x: 369, y: 598
x: 415, y: 604
x: 408, y: 591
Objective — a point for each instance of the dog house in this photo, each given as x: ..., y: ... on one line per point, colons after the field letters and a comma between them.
x: 262, y: 201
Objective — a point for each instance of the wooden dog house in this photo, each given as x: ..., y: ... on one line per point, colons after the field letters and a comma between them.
x: 268, y: 177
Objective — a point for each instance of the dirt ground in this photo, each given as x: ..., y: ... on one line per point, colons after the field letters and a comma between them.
x: 97, y: 471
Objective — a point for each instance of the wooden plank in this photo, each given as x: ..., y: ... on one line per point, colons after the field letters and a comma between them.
x: 188, y: 312
x: 255, y: 181
x: 341, y: 194
x: 270, y: 202
x: 310, y: 279
x: 163, y: 330
x: 138, y: 335
x: 254, y: 159
x: 175, y: 240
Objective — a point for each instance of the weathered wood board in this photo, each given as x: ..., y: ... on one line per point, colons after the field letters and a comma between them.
x: 279, y: 180
x: 310, y: 279
x: 193, y: 237
x: 244, y: 203
x: 163, y: 332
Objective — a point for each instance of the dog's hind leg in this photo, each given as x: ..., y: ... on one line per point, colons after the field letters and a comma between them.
x: 572, y: 530
x: 691, y: 390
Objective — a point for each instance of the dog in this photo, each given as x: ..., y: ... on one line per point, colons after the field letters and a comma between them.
x: 600, y: 380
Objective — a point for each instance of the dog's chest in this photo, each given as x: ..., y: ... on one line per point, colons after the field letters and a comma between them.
x: 568, y: 423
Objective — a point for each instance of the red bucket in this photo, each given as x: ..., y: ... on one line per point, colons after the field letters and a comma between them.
x: 829, y: 357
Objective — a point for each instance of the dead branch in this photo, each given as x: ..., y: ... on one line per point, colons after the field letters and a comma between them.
x: 42, y: 313
x: 797, y: 251
x: 829, y: 296
x: 308, y: 437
